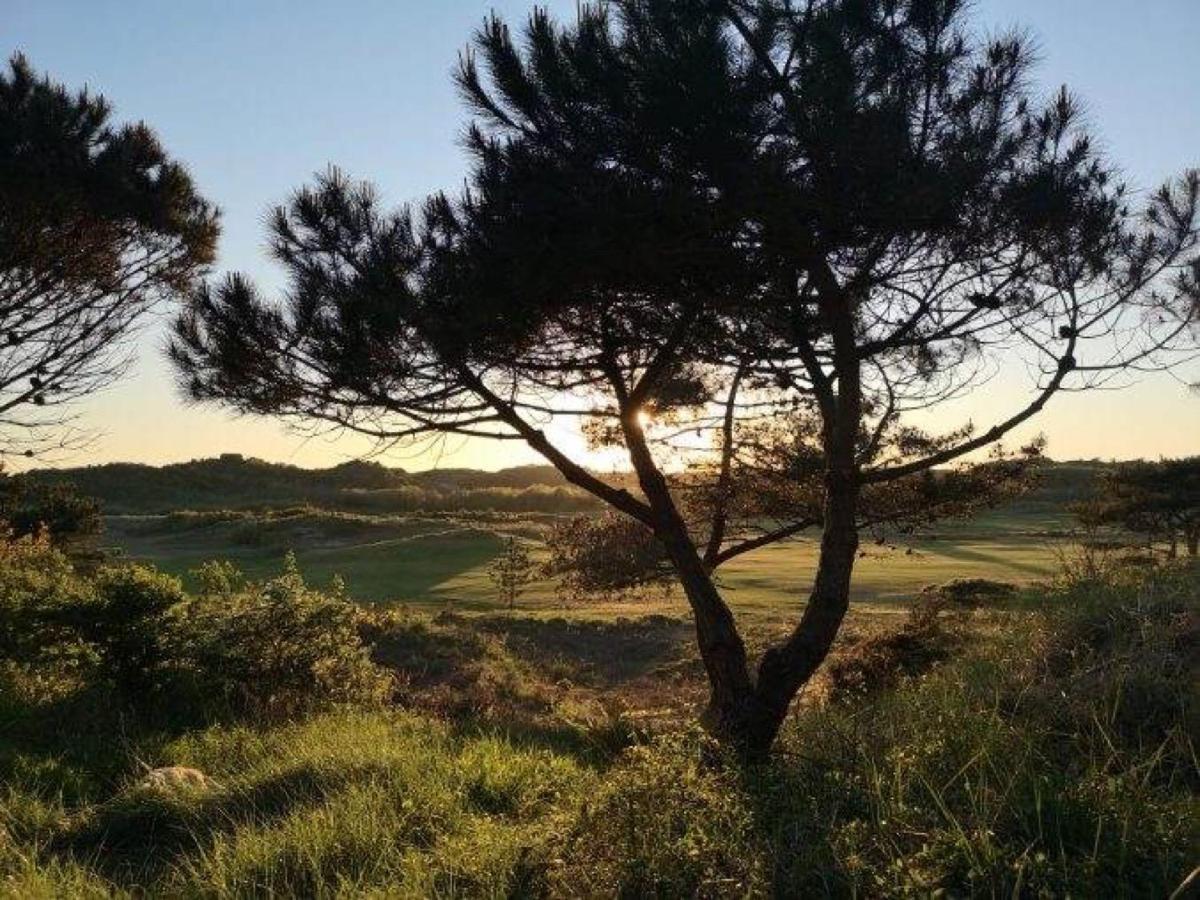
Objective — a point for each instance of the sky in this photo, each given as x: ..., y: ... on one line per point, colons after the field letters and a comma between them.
x: 257, y: 95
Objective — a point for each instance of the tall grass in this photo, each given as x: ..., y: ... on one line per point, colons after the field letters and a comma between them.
x: 1058, y: 758
x: 1054, y: 754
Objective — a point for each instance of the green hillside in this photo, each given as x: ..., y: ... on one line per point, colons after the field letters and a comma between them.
x: 235, y: 482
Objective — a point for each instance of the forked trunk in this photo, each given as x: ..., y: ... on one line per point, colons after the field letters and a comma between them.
x: 731, y: 701
x: 785, y: 669
x: 748, y: 717
x: 743, y: 713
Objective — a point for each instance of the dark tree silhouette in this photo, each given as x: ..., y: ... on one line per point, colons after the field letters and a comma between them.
x: 29, y: 507
x: 1158, y: 499
x: 708, y: 231
x: 97, y: 224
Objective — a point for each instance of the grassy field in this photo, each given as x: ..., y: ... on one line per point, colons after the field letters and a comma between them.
x: 1042, y: 745
x: 426, y: 742
x: 439, y: 562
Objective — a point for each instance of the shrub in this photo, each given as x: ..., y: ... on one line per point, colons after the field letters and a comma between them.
x: 218, y: 578
x: 881, y: 660
x: 276, y: 648
x: 933, y: 630
x: 970, y: 592
x: 607, y: 556
x: 57, y: 508
x: 665, y: 824
x: 36, y: 584
x: 124, y: 620
x: 56, y: 624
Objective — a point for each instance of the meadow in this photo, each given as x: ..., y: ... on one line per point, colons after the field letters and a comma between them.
x: 1038, y: 743
x: 438, y: 563
x: 1007, y: 712
x: 425, y: 539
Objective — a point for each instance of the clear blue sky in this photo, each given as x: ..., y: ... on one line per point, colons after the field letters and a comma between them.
x: 256, y: 95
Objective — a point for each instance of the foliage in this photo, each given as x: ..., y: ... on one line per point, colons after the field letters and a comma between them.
x: 275, y: 649
x: 511, y: 571
x: 882, y: 660
x: 125, y: 622
x: 36, y: 583
x: 1055, y: 761
x: 831, y: 216
x: 268, y: 649
x: 235, y: 482
x: 667, y: 823
x: 605, y: 556
x: 219, y: 578
x: 1158, y: 499
x: 28, y: 506
x: 97, y: 225
x: 1051, y: 754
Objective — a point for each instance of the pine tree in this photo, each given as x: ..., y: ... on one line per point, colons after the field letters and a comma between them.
x: 749, y: 239
x: 97, y: 226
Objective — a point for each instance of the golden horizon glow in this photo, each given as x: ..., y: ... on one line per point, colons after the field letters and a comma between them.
x: 1136, y: 108
x: 144, y: 420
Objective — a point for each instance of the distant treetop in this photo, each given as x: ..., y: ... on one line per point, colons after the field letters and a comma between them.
x: 97, y: 225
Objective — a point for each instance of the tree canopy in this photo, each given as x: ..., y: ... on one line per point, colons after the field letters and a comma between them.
x: 1158, y: 499
x: 755, y: 239
x: 97, y: 225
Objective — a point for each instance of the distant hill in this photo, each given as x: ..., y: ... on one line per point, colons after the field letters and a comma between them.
x: 233, y: 481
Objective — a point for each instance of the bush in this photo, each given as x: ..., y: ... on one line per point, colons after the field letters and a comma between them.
x: 607, y: 556
x: 665, y: 824
x: 933, y: 631
x: 36, y: 584
x: 124, y: 621
x: 881, y: 660
x: 276, y: 648
x: 58, y: 509
x: 111, y: 628
x: 969, y: 593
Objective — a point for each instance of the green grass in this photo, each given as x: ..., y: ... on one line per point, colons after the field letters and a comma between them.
x: 335, y: 805
x: 382, y: 558
x: 1053, y: 755
x: 438, y: 563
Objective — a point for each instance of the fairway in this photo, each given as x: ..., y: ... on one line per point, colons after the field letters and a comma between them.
x: 437, y: 563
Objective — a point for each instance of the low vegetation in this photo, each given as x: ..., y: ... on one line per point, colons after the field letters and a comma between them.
x: 1042, y: 744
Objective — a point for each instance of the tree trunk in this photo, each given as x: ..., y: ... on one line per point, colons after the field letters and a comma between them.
x: 1193, y: 543
x: 731, y: 697
x: 731, y: 693
x: 785, y: 669
x: 746, y: 715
